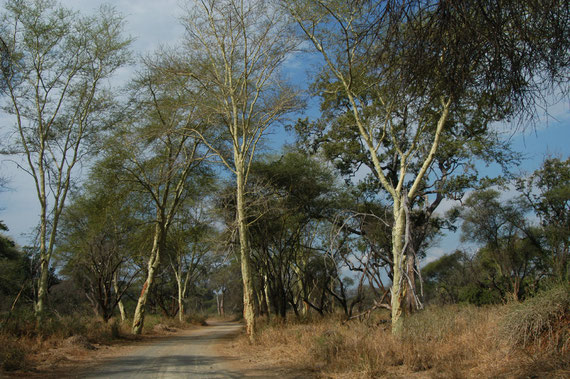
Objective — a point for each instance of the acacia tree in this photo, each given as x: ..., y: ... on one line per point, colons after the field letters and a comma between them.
x: 59, y: 100
x: 233, y: 51
x: 410, y: 75
x: 510, y: 257
x: 161, y: 162
x: 190, y: 241
x: 96, y: 241
x: 547, y: 192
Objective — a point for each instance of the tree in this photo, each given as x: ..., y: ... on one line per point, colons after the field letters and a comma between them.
x: 96, y: 241
x: 292, y: 195
x: 413, y: 77
x: 58, y: 98
x: 152, y: 152
x: 13, y: 274
x: 547, y: 192
x: 187, y: 247
x: 233, y: 51
x: 508, y: 256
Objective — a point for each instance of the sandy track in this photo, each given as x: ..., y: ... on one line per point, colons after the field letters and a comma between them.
x: 189, y: 354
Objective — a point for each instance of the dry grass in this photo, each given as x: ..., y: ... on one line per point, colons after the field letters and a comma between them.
x: 447, y: 342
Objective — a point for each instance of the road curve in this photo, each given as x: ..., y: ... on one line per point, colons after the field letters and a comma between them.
x: 190, y: 354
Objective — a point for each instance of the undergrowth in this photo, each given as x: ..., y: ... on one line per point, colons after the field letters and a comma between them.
x: 450, y: 341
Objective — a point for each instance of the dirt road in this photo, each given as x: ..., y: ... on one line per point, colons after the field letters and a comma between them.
x: 190, y: 354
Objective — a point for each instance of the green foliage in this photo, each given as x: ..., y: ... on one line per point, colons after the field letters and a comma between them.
x: 96, y: 242
x: 479, y: 293
x: 17, y: 274
x: 547, y: 193
x: 511, y: 259
x: 444, y: 278
x: 196, y: 319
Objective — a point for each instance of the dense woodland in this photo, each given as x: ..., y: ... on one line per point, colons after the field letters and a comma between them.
x: 164, y: 196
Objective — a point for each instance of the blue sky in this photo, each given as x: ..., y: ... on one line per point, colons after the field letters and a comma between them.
x: 152, y: 23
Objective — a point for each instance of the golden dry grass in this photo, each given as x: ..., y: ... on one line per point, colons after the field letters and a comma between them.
x: 444, y: 342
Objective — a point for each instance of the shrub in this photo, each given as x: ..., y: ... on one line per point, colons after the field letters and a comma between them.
x: 12, y: 354
x: 328, y: 346
x: 541, y: 321
x: 196, y: 319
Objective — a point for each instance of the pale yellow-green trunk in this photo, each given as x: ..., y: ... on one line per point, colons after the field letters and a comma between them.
x: 266, y: 294
x: 153, y: 262
x: 248, y: 291
x: 398, y: 258
x: 44, y: 257
x: 120, y: 302
x: 42, y: 287
x: 180, y: 298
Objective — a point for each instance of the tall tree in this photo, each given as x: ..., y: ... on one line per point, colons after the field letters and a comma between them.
x: 412, y: 76
x: 510, y: 256
x: 233, y: 51
x: 187, y: 246
x: 59, y: 99
x: 547, y: 192
x: 96, y: 241
x: 163, y: 163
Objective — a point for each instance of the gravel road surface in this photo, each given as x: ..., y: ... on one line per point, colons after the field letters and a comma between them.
x: 191, y: 354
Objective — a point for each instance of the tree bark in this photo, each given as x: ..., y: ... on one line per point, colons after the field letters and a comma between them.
x: 180, y: 298
x: 266, y: 294
x: 154, y: 261
x: 398, y: 297
x: 120, y: 302
x: 248, y: 291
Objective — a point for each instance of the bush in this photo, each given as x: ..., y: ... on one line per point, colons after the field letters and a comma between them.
x: 196, y: 319
x: 328, y: 346
x: 12, y: 354
x: 22, y: 322
x: 540, y: 322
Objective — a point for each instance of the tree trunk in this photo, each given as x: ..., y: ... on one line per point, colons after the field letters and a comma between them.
x: 411, y: 285
x: 120, y: 302
x: 248, y: 291
x: 266, y: 293
x: 222, y: 313
x: 398, y: 297
x: 138, y: 318
x: 218, y: 304
x: 180, y: 298
x: 42, y: 287
x: 44, y: 259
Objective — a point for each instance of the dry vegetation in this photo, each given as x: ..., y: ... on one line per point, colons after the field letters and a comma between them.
x: 68, y: 340
x: 523, y: 340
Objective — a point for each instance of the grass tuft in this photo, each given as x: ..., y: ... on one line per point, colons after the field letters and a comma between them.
x: 540, y: 322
